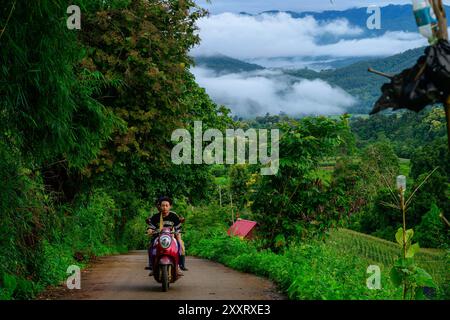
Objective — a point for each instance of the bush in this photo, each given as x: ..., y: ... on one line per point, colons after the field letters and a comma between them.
x: 54, y: 259
x: 12, y: 286
x: 134, y: 236
x: 94, y: 224
x: 431, y: 231
x: 37, y: 246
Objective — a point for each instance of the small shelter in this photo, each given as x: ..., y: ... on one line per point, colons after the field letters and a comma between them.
x: 243, y: 229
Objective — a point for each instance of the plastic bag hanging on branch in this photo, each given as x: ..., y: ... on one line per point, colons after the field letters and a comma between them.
x: 426, y: 83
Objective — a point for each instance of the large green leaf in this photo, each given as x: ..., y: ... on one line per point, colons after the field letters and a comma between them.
x: 423, y: 278
x: 396, y: 276
x: 408, y: 237
x: 399, y: 236
x: 412, y: 250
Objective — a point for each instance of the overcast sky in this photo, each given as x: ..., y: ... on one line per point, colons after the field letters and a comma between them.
x: 256, y: 6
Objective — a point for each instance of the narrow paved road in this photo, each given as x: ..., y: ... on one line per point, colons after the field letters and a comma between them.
x: 123, y: 277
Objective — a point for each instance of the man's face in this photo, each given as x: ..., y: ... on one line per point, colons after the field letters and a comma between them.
x: 165, y: 207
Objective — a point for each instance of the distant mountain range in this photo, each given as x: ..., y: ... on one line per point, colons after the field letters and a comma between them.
x: 353, y: 78
x: 222, y: 64
x: 357, y: 81
x: 393, y: 17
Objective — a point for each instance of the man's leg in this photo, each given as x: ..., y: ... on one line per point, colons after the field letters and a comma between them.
x: 183, y: 256
x: 150, y: 257
x: 149, y: 251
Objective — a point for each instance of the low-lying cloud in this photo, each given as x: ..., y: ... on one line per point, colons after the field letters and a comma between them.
x: 256, y: 93
x: 266, y: 35
x: 279, y: 35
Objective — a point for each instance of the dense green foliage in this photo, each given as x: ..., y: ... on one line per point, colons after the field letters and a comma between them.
x: 86, y: 121
x: 48, y: 112
x: 422, y: 139
x: 50, y: 121
x: 240, y: 181
x: 407, y: 131
x: 156, y: 95
x: 431, y: 230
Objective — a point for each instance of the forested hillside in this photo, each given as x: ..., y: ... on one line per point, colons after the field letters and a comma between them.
x: 222, y: 64
x: 356, y: 80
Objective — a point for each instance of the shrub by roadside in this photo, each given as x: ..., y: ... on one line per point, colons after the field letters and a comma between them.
x: 68, y: 237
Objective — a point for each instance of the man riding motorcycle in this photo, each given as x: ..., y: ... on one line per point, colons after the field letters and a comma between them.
x: 170, y: 219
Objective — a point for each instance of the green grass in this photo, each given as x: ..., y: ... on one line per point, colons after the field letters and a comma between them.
x: 334, y: 269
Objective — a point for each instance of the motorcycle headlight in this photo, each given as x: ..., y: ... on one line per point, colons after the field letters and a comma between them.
x: 165, y: 241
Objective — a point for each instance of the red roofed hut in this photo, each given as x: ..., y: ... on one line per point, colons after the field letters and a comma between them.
x: 243, y: 229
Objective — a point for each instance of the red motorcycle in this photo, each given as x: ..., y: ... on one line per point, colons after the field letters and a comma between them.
x: 165, y: 258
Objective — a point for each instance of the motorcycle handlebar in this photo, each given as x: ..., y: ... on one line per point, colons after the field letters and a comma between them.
x: 159, y: 232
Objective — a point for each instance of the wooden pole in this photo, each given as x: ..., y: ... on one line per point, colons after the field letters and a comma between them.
x: 442, y: 18
x: 443, y: 34
x: 403, y: 208
x: 231, y: 204
x: 389, y: 76
x: 445, y: 220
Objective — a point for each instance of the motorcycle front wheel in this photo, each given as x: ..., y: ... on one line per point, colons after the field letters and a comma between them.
x: 165, y: 277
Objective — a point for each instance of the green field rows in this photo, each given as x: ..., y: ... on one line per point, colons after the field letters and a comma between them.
x: 381, y: 251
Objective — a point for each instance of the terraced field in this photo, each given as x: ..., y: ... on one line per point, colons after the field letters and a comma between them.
x: 380, y: 251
